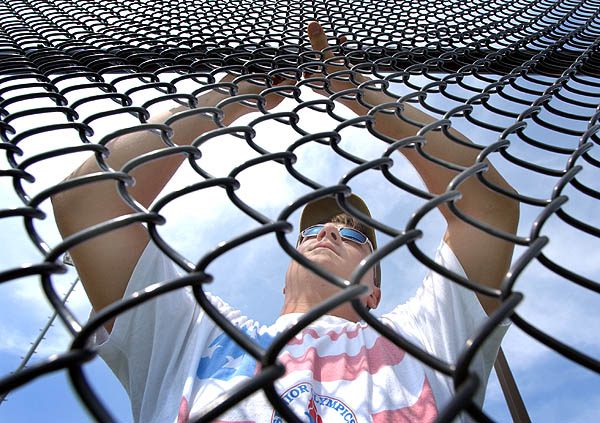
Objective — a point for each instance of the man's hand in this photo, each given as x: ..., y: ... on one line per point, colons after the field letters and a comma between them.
x: 319, y: 42
x: 272, y: 100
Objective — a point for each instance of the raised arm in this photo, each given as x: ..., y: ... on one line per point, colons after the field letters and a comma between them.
x: 105, y: 263
x: 485, y: 258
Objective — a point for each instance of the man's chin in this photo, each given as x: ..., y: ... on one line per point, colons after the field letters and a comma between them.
x: 326, y: 265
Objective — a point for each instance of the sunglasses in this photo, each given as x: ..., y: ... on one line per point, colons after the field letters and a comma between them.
x: 346, y: 233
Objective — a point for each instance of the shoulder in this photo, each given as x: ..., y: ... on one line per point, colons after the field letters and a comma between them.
x: 441, y: 306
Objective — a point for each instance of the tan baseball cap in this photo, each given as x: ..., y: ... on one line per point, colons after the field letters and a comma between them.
x: 323, y: 209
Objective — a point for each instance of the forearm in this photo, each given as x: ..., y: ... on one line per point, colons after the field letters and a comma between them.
x: 437, y: 144
x: 485, y: 258
x: 153, y: 176
x: 436, y: 177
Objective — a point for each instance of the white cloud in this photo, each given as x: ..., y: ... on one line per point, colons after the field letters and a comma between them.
x: 18, y: 341
x: 557, y: 307
x: 13, y: 341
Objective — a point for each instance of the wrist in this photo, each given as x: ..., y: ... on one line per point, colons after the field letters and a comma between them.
x: 212, y: 98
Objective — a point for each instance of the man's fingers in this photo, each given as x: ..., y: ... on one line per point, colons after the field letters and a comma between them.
x: 319, y: 42
x: 317, y: 37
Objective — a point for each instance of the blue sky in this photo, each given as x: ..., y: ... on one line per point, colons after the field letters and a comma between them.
x: 554, y: 389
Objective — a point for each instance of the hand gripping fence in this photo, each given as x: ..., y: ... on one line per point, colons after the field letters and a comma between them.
x: 525, y: 72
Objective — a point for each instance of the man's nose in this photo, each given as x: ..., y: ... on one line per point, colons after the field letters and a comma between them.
x: 329, y: 230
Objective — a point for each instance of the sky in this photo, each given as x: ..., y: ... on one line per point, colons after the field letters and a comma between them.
x: 553, y: 388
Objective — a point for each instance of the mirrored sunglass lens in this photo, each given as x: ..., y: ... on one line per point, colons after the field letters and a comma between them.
x: 313, y: 230
x: 353, y: 235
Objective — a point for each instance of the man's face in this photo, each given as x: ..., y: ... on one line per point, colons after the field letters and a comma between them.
x: 330, y: 250
x: 335, y: 254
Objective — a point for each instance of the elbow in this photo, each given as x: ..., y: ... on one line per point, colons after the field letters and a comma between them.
x: 511, y: 208
x: 503, y: 208
x: 512, y: 215
x: 66, y: 206
x: 504, y: 211
x: 61, y: 204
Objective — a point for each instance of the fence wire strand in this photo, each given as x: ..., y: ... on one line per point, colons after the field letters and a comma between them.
x: 502, y: 67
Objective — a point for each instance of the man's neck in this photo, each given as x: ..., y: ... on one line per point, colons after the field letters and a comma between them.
x: 345, y: 311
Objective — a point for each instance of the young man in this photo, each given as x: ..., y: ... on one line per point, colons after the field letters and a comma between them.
x: 174, y: 361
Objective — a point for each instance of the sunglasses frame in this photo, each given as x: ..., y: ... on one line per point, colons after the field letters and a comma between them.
x: 367, y: 240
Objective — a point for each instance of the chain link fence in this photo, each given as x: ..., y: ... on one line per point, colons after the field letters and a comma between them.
x: 522, y: 77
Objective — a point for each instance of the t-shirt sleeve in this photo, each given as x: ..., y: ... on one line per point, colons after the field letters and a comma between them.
x: 443, y: 315
x: 150, y: 343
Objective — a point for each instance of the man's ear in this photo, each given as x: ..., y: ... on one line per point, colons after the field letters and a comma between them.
x: 374, y: 298
x: 283, y: 290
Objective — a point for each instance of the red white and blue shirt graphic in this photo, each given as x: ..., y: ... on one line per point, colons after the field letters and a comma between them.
x: 336, y: 371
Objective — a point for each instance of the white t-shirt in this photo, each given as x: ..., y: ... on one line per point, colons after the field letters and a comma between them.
x: 174, y: 361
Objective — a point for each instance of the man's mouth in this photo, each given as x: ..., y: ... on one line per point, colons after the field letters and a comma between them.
x: 324, y: 245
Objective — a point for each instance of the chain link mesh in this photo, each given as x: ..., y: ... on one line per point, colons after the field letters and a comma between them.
x: 501, y: 67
